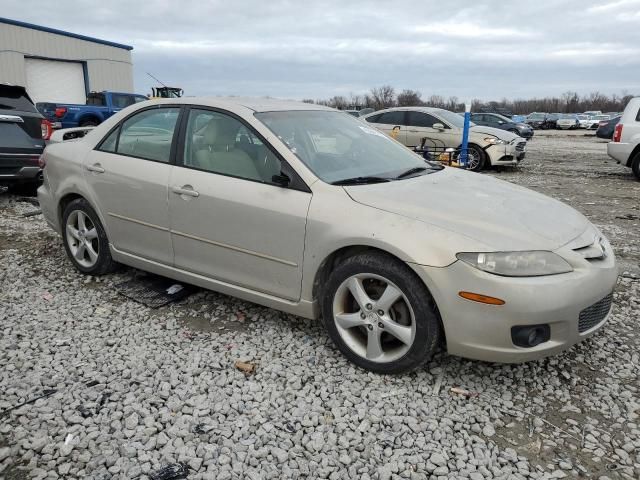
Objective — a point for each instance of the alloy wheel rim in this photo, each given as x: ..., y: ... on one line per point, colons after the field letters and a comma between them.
x: 374, y: 318
x: 82, y: 239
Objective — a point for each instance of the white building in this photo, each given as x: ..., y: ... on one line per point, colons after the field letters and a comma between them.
x: 59, y: 66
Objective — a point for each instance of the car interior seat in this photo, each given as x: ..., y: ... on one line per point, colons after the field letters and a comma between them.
x: 219, y: 152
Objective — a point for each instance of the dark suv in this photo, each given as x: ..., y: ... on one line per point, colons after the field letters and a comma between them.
x: 496, y: 120
x: 23, y: 131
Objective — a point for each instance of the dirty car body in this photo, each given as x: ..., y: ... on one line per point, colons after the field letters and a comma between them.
x: 310, y: 211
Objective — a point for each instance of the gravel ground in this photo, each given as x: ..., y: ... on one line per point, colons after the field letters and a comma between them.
x: 129, y: 390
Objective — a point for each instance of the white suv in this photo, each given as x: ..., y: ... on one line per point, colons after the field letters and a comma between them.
x: 625, y: 147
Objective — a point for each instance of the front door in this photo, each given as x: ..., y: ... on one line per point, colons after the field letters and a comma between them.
x: 128, y: 175
x: 420, y: 125
x: 229, y: 220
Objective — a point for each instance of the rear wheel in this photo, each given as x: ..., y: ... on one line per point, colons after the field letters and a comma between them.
x: 635, y: 165
x: 380, y: 315
x: 89, y: 123
x: 85, y: 240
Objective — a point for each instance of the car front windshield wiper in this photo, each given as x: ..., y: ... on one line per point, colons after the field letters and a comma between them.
x: 412, y: 171
x: 360, y: 180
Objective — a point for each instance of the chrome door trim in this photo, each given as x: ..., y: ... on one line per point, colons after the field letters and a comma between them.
x: 139, y: 222
x: 237, y: 249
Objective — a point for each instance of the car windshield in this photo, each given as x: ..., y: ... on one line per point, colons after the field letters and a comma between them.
x: 568, y: 117
x: 502, y: 117
x: 536, y: 116
x: 337, y: 147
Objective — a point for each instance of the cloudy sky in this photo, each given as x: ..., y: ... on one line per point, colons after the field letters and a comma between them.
x: 319, y: 48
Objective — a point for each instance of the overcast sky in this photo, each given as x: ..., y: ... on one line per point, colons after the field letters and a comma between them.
x: 316, y: 49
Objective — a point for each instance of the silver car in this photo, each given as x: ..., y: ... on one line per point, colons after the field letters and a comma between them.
x: 308, y: 210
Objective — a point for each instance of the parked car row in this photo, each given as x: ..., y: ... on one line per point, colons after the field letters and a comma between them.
x: 567, y: 121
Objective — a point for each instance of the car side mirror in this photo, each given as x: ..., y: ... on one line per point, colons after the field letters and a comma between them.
x: 438, y: 126
x: 281, y: 180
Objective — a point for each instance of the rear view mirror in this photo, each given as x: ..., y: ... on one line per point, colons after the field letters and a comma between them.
x: 438, y: 126
x: 500, y: 122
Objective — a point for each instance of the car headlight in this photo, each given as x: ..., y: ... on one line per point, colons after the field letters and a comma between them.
x: 517, y: 264
x: 495, y: 141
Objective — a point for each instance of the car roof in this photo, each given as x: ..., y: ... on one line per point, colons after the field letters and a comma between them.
x: 416, y: 109
x: 255, y: 104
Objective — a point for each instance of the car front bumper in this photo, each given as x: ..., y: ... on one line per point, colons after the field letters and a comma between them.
x: 483, y: 332
x: 509, y: 154
x: 619, y: 151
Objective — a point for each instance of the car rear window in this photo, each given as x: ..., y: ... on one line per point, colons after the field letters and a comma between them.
x: 14, y: 98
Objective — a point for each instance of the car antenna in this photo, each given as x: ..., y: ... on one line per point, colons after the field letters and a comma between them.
x: 157, y: 80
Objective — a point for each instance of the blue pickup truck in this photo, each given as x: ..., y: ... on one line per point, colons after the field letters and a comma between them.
x: 99, y: 107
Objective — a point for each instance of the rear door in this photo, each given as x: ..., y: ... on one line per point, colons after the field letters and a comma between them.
x: 391, y: 123
x: 128, y: 175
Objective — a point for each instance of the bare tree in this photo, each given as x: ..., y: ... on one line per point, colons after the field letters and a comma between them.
x: 308, y: 100
x: 410, y: 98
x: 383, y: 97
x: 570, y: 102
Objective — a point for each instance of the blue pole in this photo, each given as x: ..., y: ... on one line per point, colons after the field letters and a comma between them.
x: 463, y: 160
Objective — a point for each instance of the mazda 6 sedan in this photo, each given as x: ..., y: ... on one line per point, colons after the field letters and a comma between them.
x: 313, y: 212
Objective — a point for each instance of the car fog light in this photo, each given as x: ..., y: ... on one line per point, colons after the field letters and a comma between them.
x: 528, y: 336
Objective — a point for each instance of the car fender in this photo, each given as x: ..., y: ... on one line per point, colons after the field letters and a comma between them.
x: 410, y: 240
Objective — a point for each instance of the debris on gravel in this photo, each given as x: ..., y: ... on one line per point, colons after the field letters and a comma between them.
x: 135, y: 391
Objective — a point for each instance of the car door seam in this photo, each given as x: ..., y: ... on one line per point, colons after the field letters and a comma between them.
x: 237, y: 249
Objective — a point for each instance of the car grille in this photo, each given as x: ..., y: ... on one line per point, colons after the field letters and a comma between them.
x: 596, y: 313
x: 520, y: 146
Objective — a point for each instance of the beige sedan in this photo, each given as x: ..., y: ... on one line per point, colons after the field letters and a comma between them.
x: 308, y: 210
x: 438, y: 130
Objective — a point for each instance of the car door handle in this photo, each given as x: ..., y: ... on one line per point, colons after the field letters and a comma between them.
x: 185, y: 190
x: 95, y: 168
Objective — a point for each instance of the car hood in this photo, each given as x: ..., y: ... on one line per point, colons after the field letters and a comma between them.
x: 496, y: 132
x: 499, y: 215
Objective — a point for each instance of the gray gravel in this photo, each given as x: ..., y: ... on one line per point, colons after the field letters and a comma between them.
x: 137, y: 389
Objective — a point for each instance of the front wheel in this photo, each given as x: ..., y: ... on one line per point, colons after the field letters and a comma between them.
x: 85, y: 240
x: 380, y: 315
x: 475, y: 158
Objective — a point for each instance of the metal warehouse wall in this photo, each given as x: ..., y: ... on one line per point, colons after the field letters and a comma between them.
x: 108, y: 68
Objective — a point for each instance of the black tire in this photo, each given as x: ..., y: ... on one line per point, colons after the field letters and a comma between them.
x: 426, y: 317
x: 89, y: 123
x: 29, y: 189
x: 104, y: 263
x: 635, y: 165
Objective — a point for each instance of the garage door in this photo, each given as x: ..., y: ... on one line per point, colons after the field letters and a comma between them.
x: 55, y: 81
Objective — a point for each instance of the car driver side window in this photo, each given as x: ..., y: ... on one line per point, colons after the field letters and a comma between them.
x: 219, y: 143
x: 420, y: 119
